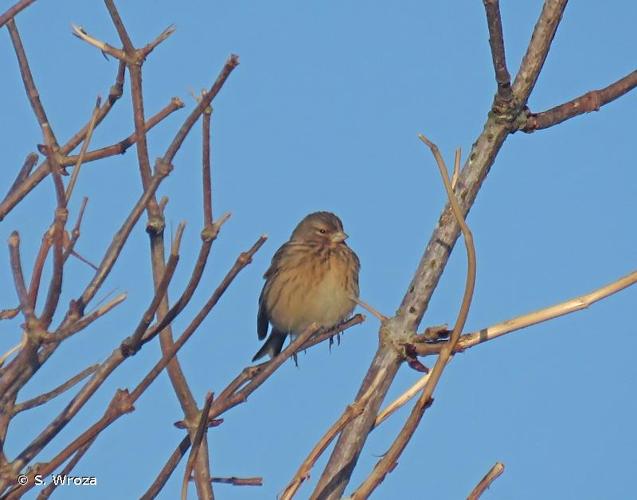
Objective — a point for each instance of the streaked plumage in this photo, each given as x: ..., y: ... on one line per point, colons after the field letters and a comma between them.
x: 312, y: 278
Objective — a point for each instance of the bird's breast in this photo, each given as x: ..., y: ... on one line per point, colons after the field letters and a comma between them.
x: 321, y: 291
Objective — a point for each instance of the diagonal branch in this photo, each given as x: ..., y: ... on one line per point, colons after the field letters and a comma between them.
x: 202, y: 426
x: 494, y: 473
x: 350, y: 412
x: 591, y: 101
x: 14, y: 10
x: 24, y: 188
x: 496, y: 41
x: 390, y: 459
x: 469, y: 340
x: 122, y: 146
x: 48, y: 396
x: 29, y: 84
x: 538, y: 49
x: 340, y: 466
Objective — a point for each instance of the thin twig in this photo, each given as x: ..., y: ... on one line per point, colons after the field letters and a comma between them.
x: 538, y: 49
x: 12, y: 199
x: 401, y: 400
x: 12, y: 11
x: 496, y: 41
x: 10, y: 313
x: 133, y: 343
x: 519, y: 322
x: 15, y: 348
x: 67, y: 330
x: 48, y: 396
x: 122, y: 146
x: 374, y: 312
x: 494, y: 473
x: 119, y: 26
x: 29, y: 84
x: 456, y: 168
x: 239, y: 481
x: 590, y: 101
x: 202, y: 426
x: 251, y: 378
x: 167, y: 470
x: 388, y: 461
x: 120, y: 238
x: 79, y: 32
x: 209, y: 234
x: 242, y: 261
x: 322, y: 336
x: 24, y: 172
x: 123, y: 400
x: 50, y: 488
x: 75, y: 232
x: 350, y: 412
x: 231, y: 396
x: 18, y: 276
x: 206, y: 177
x: 85, y: 144
x: 231, y: 63
x: 160, y: 38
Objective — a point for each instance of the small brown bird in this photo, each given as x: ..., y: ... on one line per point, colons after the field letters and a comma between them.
x: 312, y: 278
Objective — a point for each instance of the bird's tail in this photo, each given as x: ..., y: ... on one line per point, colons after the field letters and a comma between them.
x: 272, y: 346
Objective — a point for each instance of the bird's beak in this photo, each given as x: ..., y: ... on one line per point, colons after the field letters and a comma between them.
x: 339, y: 237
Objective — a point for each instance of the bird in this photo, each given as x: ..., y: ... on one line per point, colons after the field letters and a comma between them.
x: 313, y: 278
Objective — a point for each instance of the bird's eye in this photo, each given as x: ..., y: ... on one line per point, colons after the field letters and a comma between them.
x: 322, y: 231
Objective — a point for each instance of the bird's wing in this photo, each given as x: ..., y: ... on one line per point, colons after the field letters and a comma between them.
x: 262, y: 316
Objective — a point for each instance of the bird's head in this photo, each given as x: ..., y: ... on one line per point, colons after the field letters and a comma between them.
x: 320, y: 227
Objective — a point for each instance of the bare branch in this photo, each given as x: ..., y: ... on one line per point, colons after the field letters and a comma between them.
x: 494, y: 473
x: 65, y: 331
x: 122, y: 146
x: 123, y: 401
x: 17, y: 194
x: 29, y: 84
x: 160, y: 38
x: 538, y: 49
x: 496, y: 41
x: 209, y: 234
x: 206, y: 177
x: 132, y: 344
x: 350, y: 412
x: 25, y: 171
x: 79, y: 32
x: 9, y: 313
x: 48, y: 396
x: 321, y: 336
x: 389, y: 460
x: 202, y: 426
x: 239, y: 481
x: 14, y: 10
x: 496, y: 129
x: 75, y: 232
x: 50, y: 488
x: 242, y: 261
x: 378, y: 315
x: 167, y: 470
x: 591, y: 101
x: 119, y: 26
x: 229, y: 66
x: 469, y: 340
x: 18, y: 276
x: 80, y: 159
x: 120, y: 238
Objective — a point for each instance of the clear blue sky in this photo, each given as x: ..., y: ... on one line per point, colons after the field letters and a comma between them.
x: 322, y: 114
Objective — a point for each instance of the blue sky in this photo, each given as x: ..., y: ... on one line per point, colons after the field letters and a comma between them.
x: 322, y: 113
